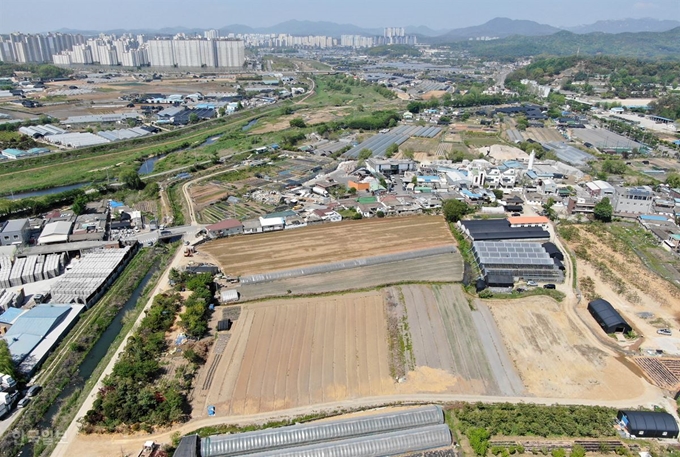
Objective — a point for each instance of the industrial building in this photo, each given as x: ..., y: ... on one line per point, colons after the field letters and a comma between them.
x: 33, y: 333
x: 390, y: 433
x: 648, y: 424
x: 609, y: 319
x: 502, y: 259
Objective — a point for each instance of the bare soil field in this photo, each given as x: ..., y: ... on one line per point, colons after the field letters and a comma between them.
x: 208, y: 193
x: 502, y: 153
x: 446, y: 336
x: 542, y: 135
x: 287, y: 353
x: 426, y: 145
x: 326, y: 243
x: 644, y: 299
x: 554, y: 355
x: 310, y: 117
x: 440, y: 268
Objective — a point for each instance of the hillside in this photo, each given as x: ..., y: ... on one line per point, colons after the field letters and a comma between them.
x: 642, y: 45
x: 499, y: 27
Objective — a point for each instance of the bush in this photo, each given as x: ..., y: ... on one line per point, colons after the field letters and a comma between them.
x: 479, y: 439
x: 558, y: 452
x: 577, y: 451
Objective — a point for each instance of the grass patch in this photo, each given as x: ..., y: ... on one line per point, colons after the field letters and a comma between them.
x: 556, y: 294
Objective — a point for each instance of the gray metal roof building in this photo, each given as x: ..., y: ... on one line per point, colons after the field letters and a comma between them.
x: 393, y: 443
x: 569, y: 154
x: 378, y: 144
x: 519, y: 259
x: 286, y: 437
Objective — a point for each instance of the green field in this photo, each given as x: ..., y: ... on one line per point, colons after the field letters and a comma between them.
x: 90, y: 165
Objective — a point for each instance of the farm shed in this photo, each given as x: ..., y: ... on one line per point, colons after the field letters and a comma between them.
x: 229, y: 295
x: 609, y: 319
x: 643, y: 424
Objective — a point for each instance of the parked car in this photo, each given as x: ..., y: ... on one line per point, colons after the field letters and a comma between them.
x: 23, y: 402
x: 33, y: 390
x: 549, y: 286
x: 664, y: 331
x: 38, y: 298
x: 532, y: 283
x: 516, y: 214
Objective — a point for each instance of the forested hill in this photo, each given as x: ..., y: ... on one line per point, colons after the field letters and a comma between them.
x: 642, y: 45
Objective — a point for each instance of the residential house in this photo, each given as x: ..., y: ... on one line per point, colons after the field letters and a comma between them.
x: 633, y: 200
x: 227, y: 227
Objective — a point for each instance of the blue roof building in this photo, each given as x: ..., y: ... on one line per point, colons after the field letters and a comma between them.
x: 35, y: 332
x: 11, y: 315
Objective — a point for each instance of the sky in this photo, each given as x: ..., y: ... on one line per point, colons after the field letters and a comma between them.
x: 48, y: 15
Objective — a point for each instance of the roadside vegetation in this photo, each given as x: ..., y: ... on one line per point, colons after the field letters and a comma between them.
x: 138, y: 394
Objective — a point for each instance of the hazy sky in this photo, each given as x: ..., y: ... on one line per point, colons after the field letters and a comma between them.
x: 47, y: 15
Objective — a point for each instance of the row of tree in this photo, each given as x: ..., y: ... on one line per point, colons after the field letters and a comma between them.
x: 134, y: 392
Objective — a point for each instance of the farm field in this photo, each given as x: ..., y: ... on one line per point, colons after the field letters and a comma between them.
x: 542, y: 135
x: 222, y: 210
x: 326, y: 243
x: 288, y: 353
x: 439, y: 268
x: 446, y: 335
x: 555, y: 357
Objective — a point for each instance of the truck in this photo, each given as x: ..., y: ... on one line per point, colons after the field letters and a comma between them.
x: 7, y: 382
x: 7, y: 401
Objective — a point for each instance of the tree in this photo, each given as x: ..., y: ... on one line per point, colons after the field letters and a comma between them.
x: 614, y: 167
x: 454, y: 210
x: 498, y: 194
x: 391, y: 150
x: 79, y: 205
x: 365, y: 154
x: 193, y: 118
x: 298, y: 122
x: 6, y: 363
x: 603, y: 211
x: 548, y: 208
x: 673, y: 180
x: 131, y: 180
x: 352, y: 191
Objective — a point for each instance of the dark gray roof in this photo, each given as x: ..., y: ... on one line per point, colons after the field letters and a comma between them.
x: 606, y: 313
x: 188, y: 447
x: 651, y: 422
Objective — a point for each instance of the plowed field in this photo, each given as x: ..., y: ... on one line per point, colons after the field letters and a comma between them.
x: 252, y: 254
x: 288, y: 353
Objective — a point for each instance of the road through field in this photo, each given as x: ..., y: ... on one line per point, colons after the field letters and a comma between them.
x: 101, y: 445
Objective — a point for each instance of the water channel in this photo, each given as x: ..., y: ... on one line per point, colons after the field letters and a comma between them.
x: 93, y: 358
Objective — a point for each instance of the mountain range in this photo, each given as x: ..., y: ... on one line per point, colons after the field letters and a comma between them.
x: 498, y: 27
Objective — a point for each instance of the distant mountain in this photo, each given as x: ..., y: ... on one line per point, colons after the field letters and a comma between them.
x: 644, y: 45
x: 500, y: 27
x: 423, y: 31
x: 627, y: 25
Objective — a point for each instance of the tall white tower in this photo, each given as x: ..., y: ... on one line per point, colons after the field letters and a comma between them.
x: 532, y: 157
